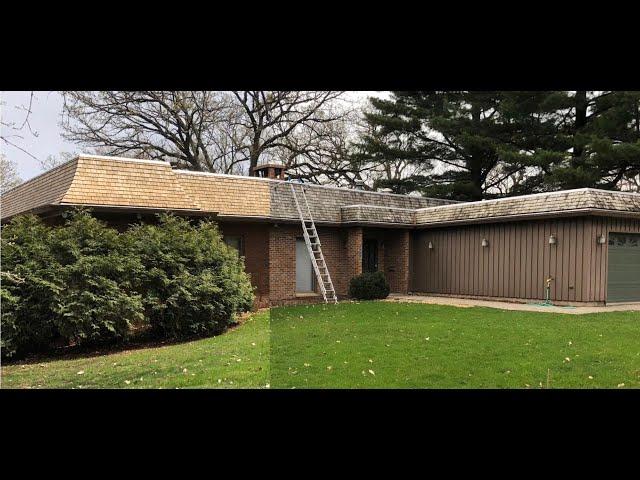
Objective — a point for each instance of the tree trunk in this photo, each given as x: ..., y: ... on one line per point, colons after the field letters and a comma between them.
x: 580, y: 123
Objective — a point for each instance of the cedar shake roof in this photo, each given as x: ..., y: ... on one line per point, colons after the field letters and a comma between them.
x: 227, y: 194
x: 583, y: 200
x: 327, y: 203
x: 92, y: 180
x: 130, y: 184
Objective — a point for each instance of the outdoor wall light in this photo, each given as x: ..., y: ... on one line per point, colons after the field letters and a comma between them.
x: 601, y: 239
x: 485, y: 242
x: 553, y: 239
x: 430, y: 246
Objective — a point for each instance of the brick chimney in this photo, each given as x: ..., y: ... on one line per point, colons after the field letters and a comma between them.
x: 269, y: 170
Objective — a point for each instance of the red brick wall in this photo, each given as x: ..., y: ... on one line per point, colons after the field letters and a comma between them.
x: 282, y: 262
x: 396, y: 260
x: 255, y: 237
x: 353, y: 264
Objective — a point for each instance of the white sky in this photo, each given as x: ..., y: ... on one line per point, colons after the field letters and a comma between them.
x: 44, y: 120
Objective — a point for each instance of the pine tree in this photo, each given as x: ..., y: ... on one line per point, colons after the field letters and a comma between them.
x: 604, y: 133
x: 474, y: 145
x: 469, y: 143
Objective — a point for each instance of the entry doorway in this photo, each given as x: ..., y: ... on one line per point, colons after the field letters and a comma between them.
x: 370, y: 255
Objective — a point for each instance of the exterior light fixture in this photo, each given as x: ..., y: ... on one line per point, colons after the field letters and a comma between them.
x: 430, y: 246
x: 601, y: 239
x: 553, y: 239
x: 485, y: 242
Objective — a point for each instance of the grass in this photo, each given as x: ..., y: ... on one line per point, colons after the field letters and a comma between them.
x: 394, y: 345
x: 237, y: 359
x: 372, y: 345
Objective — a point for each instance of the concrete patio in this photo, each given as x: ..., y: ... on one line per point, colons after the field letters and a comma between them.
x: 527, y: 307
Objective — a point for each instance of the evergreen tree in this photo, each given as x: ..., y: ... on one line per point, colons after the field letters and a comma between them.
x: 474, y: 145
x: 469, y: 142
x: 604, y: 133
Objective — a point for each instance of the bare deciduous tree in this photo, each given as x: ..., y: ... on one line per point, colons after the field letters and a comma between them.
x: 227, y: 132
x: 11, y: 132
x: 8, y: 174
x: 168, y: 125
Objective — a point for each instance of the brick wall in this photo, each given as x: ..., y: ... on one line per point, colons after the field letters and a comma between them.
x: 339, y: 247
x: 282, y: 262
x: 353, y: 263
x: 396, y: 260
x: 255, y: 238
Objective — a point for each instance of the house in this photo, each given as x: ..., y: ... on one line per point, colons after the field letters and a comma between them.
x: 583, y: 244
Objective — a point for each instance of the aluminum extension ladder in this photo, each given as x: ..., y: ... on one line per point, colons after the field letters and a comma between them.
x: 315, y: 249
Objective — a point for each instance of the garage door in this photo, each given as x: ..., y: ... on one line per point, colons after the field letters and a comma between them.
x: 624, y: 268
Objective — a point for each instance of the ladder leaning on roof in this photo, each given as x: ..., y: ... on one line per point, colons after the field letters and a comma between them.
x: 315, y: 249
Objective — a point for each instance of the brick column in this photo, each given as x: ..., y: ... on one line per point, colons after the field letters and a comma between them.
x: 396, y: 262
x: 353, y: 267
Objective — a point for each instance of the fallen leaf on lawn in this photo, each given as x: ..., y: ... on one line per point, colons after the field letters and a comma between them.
x: 268, y: 385
x: 307, y: 365
x: 372, y: 372
x: 570, y: 343
x: 337, y: 341
x: 219, y: 380
x: 387, y: 345
x: 590, y: 377
x: 329, y: 367
x: 253, y: 344
x: 127, y: 382
x: 301, y: 317
x: 81, y: 372
x: 567, y: 359
x: 620, y: 385
x: 184, y: 370
x: 427, y: 338
x: 370, y: 361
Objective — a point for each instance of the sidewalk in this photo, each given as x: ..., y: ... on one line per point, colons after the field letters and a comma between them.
x: 466, y: 302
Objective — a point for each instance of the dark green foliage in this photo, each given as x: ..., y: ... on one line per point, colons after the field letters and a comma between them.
x: 64, y: 286
x: 369, y: 286
x: 96, y: 267
x: 30, y: 286
x: 472, y: 145
x: 85, y: 283
x: 191, y: 281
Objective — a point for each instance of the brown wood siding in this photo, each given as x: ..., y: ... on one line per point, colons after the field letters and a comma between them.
x: 518, y: 259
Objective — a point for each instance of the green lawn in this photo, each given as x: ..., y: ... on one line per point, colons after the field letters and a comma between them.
x: 237, y: 359
x: 373, y: 345
x: 378, y: 345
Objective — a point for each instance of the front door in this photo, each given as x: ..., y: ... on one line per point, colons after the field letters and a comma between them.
x: 304, y: 268
x: 370, y: 256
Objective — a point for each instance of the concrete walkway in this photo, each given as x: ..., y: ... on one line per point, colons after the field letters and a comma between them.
x: 465, y: 303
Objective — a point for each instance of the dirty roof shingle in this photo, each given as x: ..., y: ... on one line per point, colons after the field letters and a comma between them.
x: 128, y: 183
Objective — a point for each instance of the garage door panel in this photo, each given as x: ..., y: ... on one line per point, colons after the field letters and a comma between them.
x: 623, y: 283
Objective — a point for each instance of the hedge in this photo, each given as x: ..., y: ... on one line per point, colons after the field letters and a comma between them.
x: 86, y: 283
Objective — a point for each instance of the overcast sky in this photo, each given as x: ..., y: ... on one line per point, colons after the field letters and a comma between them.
x: 44, y: 120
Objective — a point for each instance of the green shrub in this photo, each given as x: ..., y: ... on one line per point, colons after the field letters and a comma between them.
x: 97, y: 303
x: 191, y: 282
x: 64, y: 285
x: 85, y: 283
x: 369, y: 286
x: 30, y: 286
